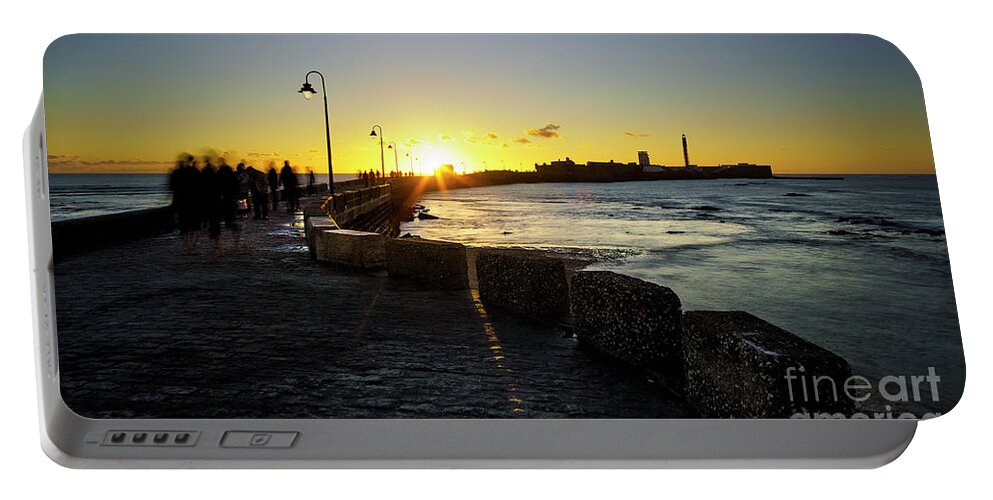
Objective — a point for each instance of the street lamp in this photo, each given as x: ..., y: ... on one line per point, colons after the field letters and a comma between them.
x: 396, y: 156
x: 308, y: 91
x: 382, y: 161
x: 411, y: 160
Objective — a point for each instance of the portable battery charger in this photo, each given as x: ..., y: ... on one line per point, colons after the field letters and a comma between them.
x: 486, y: 251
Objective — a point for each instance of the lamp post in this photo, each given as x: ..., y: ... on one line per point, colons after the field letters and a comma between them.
x: 396, y: 156
x: 308, y: 92
x: 411, y: 160
x: 382, y: 161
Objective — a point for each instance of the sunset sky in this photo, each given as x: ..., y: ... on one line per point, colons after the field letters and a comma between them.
x: 804, y: 104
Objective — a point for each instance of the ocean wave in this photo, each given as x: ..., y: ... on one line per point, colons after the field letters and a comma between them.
x: 890, y: 225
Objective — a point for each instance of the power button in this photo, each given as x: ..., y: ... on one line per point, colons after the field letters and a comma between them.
x: 258, y: 439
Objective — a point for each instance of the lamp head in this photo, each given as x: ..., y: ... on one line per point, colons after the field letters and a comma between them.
x: 307, y: 90
x: 373, y: 133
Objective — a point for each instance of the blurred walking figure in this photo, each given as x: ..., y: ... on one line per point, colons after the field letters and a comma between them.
x: 288, y: 178
x: 311, y: 182
x: 210, y: 199
x: 244, y: 201
x: 258, y: 186
x: 184, y: 182
x: 228, y: 184
x: 273, y: 179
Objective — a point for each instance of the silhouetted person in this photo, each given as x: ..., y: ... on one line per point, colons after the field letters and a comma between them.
x: 244, y: 191
x: 288, y: 178
x: 312, y: 182
x: 184, y: 183
x: 273, y: 179
x: 210, y: 198
x: 228, y: 185
x: 258, y: 186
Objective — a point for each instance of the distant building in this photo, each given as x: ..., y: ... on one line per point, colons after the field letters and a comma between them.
x: 643, y: 159
x: 612, y: 170
x: 558, y: 167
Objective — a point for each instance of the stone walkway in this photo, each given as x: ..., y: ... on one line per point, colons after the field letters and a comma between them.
x: 256, y: 329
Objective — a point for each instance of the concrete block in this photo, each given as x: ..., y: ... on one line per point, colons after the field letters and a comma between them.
x: 357, y: 249
x: 522, y: 282
x: 737, y: 366
x: 629, y: 319
x: 439, y: 264
x: 314, y: 224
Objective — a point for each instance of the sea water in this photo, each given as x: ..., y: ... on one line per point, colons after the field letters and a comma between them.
x: 859, y: 266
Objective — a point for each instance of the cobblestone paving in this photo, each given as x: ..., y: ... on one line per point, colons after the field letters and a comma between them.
x: 256, y: 329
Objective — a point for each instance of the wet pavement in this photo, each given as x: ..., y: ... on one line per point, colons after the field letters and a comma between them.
x: 253, y: 328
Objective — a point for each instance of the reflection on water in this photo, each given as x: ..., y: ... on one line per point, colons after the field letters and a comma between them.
x: 859, y: 266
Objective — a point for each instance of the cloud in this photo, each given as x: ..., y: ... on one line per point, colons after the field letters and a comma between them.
x: 73, y: 163
x: 548, y: 131
x: 634, y: 135
x: 522, y: 140
x: 74, y: 160
x: 505, y: 145
x: 444, y: 137
x: 484, y: 139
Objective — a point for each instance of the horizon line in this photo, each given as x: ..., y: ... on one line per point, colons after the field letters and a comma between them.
x: 508, y: 170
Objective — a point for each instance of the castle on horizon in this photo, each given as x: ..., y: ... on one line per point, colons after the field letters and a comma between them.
x: 644, y: 167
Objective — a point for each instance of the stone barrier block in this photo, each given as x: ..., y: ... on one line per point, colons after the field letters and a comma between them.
x: 629, y: 319
x: 439, y: 264
x: 351, y: 248
x: 739, y: 366
x: 525, y: 283
x: 314, y: 224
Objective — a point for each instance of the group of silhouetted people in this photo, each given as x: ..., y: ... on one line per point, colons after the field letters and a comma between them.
x: 372, y: 176
x: 369, y: 177
x: 212, y: 197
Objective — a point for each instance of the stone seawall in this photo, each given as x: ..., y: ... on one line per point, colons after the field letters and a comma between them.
x: 438, y: 264
x: 367, y: 209
x: 80, y: 235
x: 632, y: 320
x: 530, y: 284
x: 740, y: 366
x: 725, y: 364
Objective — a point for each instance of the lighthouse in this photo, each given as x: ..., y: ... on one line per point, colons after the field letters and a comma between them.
x: 686, y: 152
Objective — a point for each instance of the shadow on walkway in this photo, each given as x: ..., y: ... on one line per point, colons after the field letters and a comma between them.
x: 253, y: 328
